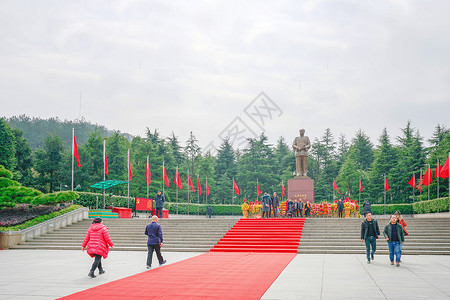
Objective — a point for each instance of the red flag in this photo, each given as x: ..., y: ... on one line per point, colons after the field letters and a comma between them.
x: 148, y: 174
x: 105, y: 162
x: 444, y: 170
x: 420, y: 181
x: 130, y: 173
x: 437, y: 171
x: 207, y: 188
x: 177, y: 180
x: 191, y: 184
x: 427, y: 179
x: 412, y: 182
x: 360, y: 186
x: 75, y: 151
x: 166, y: 179
x: 258, y: 191
x: 236, y: 188
x: 386, y: 184
x: 199, y: 186
x: 335, y: 186
x: 283, y: 191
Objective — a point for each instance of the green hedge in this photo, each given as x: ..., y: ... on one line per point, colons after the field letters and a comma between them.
x: 378, y: 209
x: 40, y: 219
x: 54, y: 198
x: 218, y: 209
x: 90, y: 199
x: 432, y: 206
x: 5, y: 173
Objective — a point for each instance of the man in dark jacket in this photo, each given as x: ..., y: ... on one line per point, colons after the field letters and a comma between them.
x: 366, y: 207
x: 159, y: 204
x: 395, y: 236
x: 275, y: 204
x: 289, y: 205
x: 301, y: 206
x: 340, y: 207
x: 210, y: 211
x: 370, y: 232
x: 154, y: 242
x: 266, y: 205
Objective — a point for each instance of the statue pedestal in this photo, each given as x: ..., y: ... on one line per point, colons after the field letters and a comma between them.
x: 302, y: 188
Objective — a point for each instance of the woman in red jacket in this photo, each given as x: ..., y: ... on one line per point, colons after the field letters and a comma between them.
x: 97, y: 240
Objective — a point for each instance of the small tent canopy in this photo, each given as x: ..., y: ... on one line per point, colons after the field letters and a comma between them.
x: 104, y: 185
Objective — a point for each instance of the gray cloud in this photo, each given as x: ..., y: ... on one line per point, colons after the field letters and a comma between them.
x: 182, y: 65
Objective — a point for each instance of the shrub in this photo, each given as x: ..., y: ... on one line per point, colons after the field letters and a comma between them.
x: 41, y: 219
x: 431, y: 206
x: 218, y: 209
x: 90, y: 200
x: 5, y: 173
x: 404, y: 208
x: 6, y: 182
x: 54, y: 198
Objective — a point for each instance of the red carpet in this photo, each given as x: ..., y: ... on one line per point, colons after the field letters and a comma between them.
x: 218, y: 275
x: 262, y: 235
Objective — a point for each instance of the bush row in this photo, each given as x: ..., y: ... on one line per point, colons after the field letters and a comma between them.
x: 90, y: 200
x: 405, y: 209
x: 218, y: 209
x: 40, y: 219
x: 431, y: 206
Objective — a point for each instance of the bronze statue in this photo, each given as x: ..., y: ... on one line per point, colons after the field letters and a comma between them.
x: 301, y: 146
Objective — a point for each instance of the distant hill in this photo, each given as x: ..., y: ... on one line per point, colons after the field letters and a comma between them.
x: 35, y: 130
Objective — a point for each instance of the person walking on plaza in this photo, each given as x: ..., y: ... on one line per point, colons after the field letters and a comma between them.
x: 159, y: 204
x: 402, y: 222
x: 370, y: 232
x: 308, y: 209
x: 275, y: 205
x: 301, y: 206
x: 154, y: 242
x: 366, y: 207
x: 266, y: 205
x: 98, y: 242
x: 210, y: 211
x: 340, y: 207
x: 393, y: 232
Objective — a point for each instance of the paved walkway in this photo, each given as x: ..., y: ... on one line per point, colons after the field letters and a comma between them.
x: 41, y: 274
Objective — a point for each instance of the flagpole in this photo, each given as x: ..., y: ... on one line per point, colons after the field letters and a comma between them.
x: 198, y: 197
x: 128, y: 196
x: 420, y: 182
x: 449, y: 180
x: 176, y: 176
x: 334, y: 180
x: 359, y: 188
x: 164, y: 169
x: 437, y: 178
x: 104, y: 169
x: 73, y: 153
x: 384, y: 193
x: 232, y: 197
x: 414, y: 189
x: 206, y: 181
x: 429, y: 181
x: 148, y: 186
x: 189, y: 200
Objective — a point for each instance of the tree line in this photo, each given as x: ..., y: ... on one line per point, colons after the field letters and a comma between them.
x: 48, y: 167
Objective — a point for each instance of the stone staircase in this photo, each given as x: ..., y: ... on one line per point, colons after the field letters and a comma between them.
x: 180, y: 235
x: 342, y: 236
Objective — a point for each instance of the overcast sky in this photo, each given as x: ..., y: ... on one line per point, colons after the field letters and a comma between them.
x: 198, y: 66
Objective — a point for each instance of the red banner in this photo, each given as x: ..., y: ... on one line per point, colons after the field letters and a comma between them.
x: 144, y: 204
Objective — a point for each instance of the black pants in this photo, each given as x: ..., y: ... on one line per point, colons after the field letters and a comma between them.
x: 301, y: 213
x: 267, y: 213
x: 97, y: 263
x: 370, y: 241
x: 159, y: 212
x: 275, y: 211
x: 157, y: 249
x: 340, y: 213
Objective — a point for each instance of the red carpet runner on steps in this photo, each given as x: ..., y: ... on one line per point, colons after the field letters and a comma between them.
x: 262, y: 235
x: 232, y: 270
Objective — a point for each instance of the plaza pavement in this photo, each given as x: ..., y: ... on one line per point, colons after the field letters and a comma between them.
x: 49, y: 274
